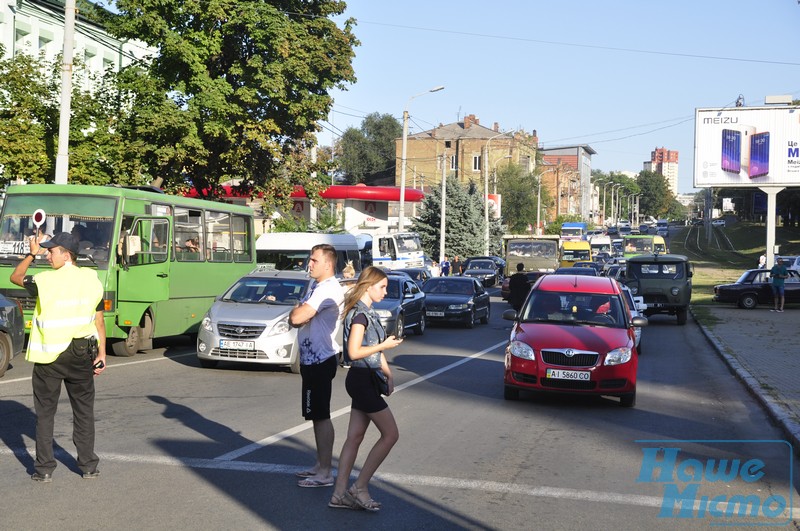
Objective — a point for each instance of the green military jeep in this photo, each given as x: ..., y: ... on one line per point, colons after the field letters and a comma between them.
x: 663, y: 280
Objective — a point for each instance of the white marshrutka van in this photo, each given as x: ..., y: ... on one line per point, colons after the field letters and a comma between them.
x: 289, y: 251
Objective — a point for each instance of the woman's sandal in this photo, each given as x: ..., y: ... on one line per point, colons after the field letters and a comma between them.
x: 342, y: 502
x: 369, y: 505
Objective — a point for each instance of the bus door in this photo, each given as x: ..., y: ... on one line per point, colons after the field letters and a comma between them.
x: 144, y: 268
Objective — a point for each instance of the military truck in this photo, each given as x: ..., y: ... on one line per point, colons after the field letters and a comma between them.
x: 663, y: 280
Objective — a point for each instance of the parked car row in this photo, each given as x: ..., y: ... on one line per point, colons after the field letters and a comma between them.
x: 753, y: 288
x: 250, y: 321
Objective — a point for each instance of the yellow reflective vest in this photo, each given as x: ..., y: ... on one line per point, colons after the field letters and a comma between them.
x: 65, y: 309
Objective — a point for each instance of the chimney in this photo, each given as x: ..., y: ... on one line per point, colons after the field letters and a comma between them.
x: 468, y: 120
x: 496, y: 127
x: 535, y: 139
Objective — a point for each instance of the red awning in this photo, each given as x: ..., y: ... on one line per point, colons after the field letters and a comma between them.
x: 363, y: 192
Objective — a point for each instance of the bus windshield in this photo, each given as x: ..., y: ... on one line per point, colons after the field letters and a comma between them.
x: 89, y: 218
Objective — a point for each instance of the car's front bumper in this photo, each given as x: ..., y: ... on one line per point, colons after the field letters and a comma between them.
x: 279, y: 349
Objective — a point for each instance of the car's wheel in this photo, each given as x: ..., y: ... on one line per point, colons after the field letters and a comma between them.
x: 470, y: 322
x: 485, y: 318
x: 420, y: 328
x: 510, y: 393
x: 628, y: 400
x: 682, y: 313
x: 130, y: 345
x: 5, y: 353
x: 400, y: 326
x: 748, y: 301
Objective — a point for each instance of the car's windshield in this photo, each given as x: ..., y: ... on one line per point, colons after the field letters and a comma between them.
x: 481, y: 264
x: 436, y: 285
x: 662, y: 270
x: 574, y: 308
x: 267, y: 290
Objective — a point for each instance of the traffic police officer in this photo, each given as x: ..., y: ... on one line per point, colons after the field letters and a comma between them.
x: 67, y: 343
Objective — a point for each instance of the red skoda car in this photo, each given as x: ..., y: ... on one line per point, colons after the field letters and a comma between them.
x: 575, y: 335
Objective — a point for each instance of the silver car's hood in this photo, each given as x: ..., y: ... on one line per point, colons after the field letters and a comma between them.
x: 253, y: 312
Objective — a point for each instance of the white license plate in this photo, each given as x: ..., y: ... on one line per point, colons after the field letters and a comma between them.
x: 237, y: 345
x: 435, y: 314
x: 559, y: 374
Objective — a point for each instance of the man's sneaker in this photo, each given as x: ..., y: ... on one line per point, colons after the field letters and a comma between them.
x: 779, y: 311
x: 773, y: 310
x: 91, y: 475
x: 43, y: 478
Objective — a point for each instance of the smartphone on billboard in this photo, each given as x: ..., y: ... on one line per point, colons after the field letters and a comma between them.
x: 731, y: 150
x: 759, y: 154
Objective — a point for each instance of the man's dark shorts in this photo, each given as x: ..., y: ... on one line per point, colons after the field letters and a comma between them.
x: 777, y: 291
x: 317, y: 389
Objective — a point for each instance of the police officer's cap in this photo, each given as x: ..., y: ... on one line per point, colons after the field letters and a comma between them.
x: 62, y: 239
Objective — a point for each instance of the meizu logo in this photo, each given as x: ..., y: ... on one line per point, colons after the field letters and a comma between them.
x: 722, y: 120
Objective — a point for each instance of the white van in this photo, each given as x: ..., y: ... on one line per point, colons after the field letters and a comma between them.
x: 289, y: 251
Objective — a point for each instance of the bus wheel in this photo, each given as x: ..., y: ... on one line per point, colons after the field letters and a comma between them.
x: 130, y: 345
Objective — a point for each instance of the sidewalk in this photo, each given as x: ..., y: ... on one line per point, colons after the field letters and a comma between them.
x: 762, y: 348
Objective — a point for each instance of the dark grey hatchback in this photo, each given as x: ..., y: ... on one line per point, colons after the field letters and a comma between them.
x: 12, y: 331
x: 456, y: 299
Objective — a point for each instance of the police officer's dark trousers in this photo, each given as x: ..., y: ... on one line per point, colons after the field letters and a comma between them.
x: 74, y: 368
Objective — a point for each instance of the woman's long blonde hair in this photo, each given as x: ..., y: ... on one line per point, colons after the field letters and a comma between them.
x: 368, y: 277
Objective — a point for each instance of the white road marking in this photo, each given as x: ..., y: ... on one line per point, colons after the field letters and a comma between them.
x: 534, y: 491
x: 115, y: 366
x: 235, y: 454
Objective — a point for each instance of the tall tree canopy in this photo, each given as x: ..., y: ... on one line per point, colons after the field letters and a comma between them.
x: 368, y: 152
x: 656, y: 199
x: 464, y: 221
x: 235, y: 89
x: 519, y: 191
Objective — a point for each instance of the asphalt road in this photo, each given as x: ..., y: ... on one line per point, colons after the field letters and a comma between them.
x: 188, y: 448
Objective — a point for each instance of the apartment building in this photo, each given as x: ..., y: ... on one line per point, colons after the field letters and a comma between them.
x: 664, y: 162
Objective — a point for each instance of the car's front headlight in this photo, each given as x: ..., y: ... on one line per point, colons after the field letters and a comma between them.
x: 518, y: 349
x: 384, y: 313
x: 618, y: 356
x: 458, y: 307
x: 675, y: 290
x: 634, y: 290
x: 281, y: 327
x: 205, y: 324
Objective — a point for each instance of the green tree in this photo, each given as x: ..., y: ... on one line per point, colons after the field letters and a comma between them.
x: 368, y: 153
x: 555, y: 226
x: 464, y: 234
x: 519, y: 192
x: 656, y: 198
x: 235, y: 90
x: 30, y: 90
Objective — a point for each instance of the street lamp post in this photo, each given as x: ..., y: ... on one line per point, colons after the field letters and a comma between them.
x: 401, y: 215
x: 614, y: 188
x: 485, y: 161
x: 604, y: 201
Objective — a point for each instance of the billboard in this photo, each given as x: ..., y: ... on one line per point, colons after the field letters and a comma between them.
x: 747, y: 146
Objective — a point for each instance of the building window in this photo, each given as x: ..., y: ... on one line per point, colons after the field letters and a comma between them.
x: 476, y: 163
x: 453, y: 163
x: 447, y: 144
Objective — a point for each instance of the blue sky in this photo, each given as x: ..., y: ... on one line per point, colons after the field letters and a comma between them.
x: 569, y: 70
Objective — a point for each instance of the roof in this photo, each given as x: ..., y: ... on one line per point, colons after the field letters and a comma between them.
x: 658, y: 258
x: 457, y: 130
x: 585, y: 147
x: 578, y: 284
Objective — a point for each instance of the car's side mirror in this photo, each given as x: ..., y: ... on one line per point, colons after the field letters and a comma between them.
x: 639, y: 321
x: 510, y: 315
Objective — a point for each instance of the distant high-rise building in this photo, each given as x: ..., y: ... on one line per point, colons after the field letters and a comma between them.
x: 664, y: 162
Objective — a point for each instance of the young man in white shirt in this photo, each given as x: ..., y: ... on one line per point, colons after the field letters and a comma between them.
x: 319, y: 317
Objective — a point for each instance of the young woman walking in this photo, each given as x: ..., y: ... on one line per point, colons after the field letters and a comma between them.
x: 365, y: 341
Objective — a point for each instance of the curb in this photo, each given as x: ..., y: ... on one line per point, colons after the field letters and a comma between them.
x: 775, y: 409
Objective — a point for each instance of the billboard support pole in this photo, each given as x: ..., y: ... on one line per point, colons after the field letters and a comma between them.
x: 772, y: 211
